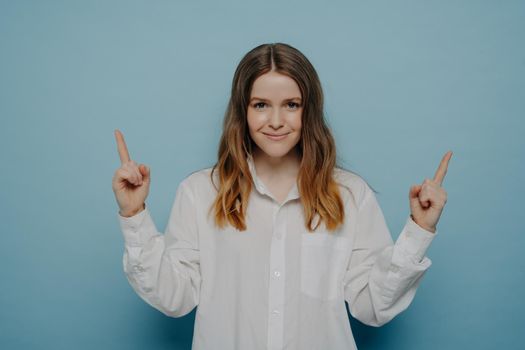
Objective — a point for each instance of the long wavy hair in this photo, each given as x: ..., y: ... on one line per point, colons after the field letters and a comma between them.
x: 318, y: 191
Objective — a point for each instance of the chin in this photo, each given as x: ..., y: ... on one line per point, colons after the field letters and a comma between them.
x: 275, y: 151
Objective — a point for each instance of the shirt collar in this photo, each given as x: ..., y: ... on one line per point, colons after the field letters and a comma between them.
x: 261, y: 188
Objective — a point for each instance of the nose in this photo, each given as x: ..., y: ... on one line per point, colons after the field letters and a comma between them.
x: 275, y: 119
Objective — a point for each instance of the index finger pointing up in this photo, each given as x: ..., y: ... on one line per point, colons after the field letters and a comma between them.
x: 121, y: 145
x: 442, y: 169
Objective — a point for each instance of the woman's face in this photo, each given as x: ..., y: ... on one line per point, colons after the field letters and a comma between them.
x: 274, y: 113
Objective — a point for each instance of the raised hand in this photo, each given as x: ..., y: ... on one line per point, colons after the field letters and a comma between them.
x: 130, y: 182
x: 428, y: 199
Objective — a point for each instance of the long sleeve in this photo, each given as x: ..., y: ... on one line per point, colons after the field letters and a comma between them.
x: 164, y: 269
x: 382, y: 277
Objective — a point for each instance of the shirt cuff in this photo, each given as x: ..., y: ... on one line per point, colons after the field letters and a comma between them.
x: 137, y: 229
x: 415, y: 240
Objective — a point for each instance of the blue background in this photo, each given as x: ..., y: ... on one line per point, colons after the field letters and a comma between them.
x: 405, y: 81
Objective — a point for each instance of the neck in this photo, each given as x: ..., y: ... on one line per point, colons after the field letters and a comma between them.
x: 287, y: 165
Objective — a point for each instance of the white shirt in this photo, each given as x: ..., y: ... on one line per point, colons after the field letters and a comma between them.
x: 275, y: 285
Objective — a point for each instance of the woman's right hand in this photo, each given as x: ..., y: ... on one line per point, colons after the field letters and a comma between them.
x: 130, y: 182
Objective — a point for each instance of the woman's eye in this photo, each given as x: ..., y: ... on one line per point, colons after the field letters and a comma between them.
x: 292, y: 105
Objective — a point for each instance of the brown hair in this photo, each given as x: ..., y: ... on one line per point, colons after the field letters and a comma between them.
x: 319, y: 193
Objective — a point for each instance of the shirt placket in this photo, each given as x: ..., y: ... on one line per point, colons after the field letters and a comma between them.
x: 276, y: 287
x: 276, y: 280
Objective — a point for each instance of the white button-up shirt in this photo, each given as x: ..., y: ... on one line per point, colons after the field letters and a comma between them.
x: 275, y: 285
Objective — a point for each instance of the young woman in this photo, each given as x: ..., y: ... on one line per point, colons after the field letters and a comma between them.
x: 272, y: 240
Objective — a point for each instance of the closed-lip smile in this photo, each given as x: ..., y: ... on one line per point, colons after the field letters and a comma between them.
x: 275, y: 134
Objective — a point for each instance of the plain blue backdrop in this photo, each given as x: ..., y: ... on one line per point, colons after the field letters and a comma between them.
x: 404, y: 82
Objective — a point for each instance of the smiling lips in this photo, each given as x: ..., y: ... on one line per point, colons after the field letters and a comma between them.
x: 276, y: 137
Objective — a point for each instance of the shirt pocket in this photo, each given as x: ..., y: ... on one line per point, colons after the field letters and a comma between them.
x: 323, y: 264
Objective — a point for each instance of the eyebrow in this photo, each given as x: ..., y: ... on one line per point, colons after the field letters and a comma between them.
x: 263, y: 99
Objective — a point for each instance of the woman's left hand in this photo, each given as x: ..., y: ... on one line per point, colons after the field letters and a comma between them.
x: 428, y: 199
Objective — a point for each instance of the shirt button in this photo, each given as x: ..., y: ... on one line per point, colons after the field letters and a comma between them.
x: 277, y: 273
